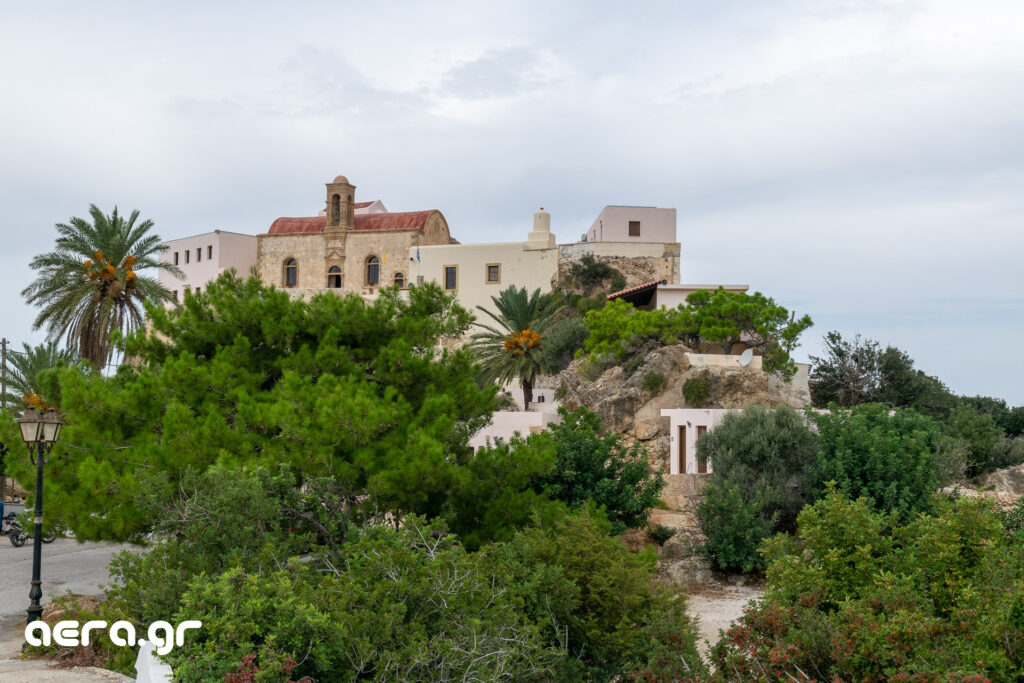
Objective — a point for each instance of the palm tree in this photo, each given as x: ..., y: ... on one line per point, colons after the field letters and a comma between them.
x: 87, y: 286
x: 512, y: 347
x: 25, y: 368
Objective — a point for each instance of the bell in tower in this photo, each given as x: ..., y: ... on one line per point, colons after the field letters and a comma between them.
x: 340, y: 204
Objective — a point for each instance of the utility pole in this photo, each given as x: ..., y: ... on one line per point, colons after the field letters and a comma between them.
x: 3, y: 372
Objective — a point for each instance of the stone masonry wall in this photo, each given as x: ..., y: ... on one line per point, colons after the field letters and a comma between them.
x: 638, y: 263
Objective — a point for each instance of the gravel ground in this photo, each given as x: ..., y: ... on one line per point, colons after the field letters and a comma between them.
x: 716, y: 608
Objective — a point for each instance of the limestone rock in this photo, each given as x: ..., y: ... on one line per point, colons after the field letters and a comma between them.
x: 1005, y: 481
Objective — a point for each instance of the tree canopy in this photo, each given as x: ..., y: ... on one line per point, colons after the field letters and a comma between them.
x: 762, y: 464
x: 713, y: 317
x: 25, y: 370
x: 88, y: 287
x: 512, y: 346
x: 245, y: 375
x: 754, y: 320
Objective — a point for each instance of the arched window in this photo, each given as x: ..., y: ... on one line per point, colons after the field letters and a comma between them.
x: 400, y: 280
x: 372, y: 271
x: 335, y: 208
x: 334, y: 277
x: 351, y: 212
x: 291, y: 273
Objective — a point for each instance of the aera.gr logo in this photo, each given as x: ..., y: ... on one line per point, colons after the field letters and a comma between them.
x: 122, y: 634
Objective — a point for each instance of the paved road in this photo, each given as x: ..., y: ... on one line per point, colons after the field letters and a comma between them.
x: 67, y: 565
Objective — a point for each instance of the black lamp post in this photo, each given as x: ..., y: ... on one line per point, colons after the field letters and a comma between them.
x: 40, y: 430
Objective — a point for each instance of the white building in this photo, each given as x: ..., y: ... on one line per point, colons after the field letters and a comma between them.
x: 476, y: 272
x: 202, y: 258
x: 633, y: 224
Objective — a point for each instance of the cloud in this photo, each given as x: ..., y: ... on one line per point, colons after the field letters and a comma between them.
x: 858, y: 160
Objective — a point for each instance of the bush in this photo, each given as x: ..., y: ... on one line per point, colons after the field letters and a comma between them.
x: 661, y: 533
x: 762, y: 462
x: 561, y: 344
x: 402, y: 605
x: 614, y: 618
x: 592, y: 466
x: 891, y: 460
x: 618, y: 328
x: 589, y: 274
x: 981, y: 434
x: 861, y: 596
x: 696, y: 390
x: 1008, y: 452
x: 653, y: 382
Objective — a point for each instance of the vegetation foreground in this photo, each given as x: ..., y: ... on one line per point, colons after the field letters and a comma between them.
x: 301, y: 472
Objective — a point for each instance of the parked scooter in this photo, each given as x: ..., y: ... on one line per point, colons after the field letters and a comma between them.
x: 12, y: 528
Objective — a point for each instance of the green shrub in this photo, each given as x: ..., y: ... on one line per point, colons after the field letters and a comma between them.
x: 618, y: 283
x: 401, y: 605
x: 615, y: 619
x: 593, y: 466
x: 981, y: 434
x: 618, y: 328
x: 762, y: 462
x: 891, y: 459
x: 1008, y: 452
x: 697, y: 390
x: 734, y: 527
x: 859, y: 595
x: 562, y: 343
x: 653, y: 382
x: 660, y: 533
x: 635, y: 362
x: 718, y: 317
x: 589, y: 274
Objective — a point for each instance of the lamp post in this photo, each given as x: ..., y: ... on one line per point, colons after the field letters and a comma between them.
x: 39, y: 430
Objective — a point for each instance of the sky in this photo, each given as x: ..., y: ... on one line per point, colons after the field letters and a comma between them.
x: 858, y: 161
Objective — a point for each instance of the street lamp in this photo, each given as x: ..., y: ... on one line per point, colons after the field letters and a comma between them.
x: 39, y: 430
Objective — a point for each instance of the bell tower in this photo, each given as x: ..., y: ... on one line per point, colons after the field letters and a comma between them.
x: 340, y: 219
x: 340, y: 204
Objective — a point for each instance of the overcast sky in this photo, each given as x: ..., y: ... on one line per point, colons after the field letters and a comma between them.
x: 862, y: 162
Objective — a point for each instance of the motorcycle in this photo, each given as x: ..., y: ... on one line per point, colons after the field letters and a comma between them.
x: 12, y: 528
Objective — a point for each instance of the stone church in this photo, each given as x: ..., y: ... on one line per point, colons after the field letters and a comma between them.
x: 355, y: 247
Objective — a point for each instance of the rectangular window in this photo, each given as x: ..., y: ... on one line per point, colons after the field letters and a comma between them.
x: 175, y: 295
x: 634, y: 228
x: 187, y: 254
x: 451, y: 277
x: 175, y: 258
x: 209, y: 252
x: 198, y: 289
x: 493, y: 274
x: 199, y: 254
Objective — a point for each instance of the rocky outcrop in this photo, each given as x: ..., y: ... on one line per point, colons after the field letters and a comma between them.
x: 1008, y: 481
x: 630, y: 405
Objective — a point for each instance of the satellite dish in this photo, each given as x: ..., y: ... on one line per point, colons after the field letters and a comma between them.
x: 746, y: 357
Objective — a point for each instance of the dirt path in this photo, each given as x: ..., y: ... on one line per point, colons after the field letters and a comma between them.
x: 717, y: 607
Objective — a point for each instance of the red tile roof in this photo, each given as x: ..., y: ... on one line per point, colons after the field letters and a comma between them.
x: 635, y: 288
x: 405, y: 220
x: 362, y: 205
